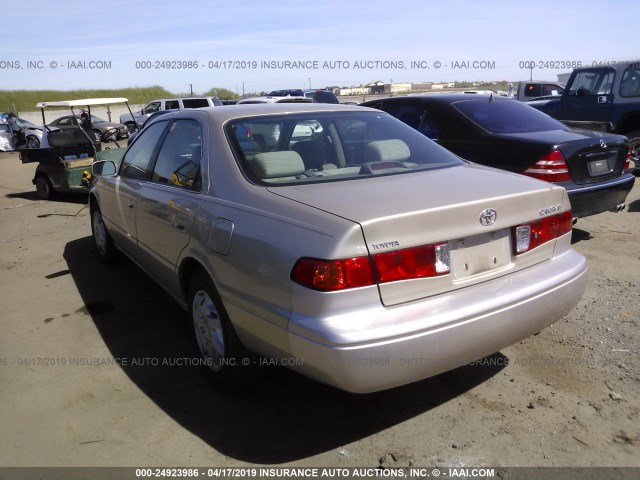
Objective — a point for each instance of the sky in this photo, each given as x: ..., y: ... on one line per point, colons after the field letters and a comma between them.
x: 251, y: 46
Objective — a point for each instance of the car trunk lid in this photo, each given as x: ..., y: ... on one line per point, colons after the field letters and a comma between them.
x: 408, y: 210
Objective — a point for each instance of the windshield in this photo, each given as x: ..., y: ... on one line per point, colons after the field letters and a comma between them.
x: 318, y: 147
x: 506, y: 116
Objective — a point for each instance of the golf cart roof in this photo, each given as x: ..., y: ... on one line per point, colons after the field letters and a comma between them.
x: 82, y: 103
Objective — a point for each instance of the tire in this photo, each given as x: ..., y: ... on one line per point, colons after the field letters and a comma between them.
x: 131, y: 127
x: 33, y: 142
x: 44, y: 187
x: 101, y: 238
x: 225, y: 360
x: 634, y: 143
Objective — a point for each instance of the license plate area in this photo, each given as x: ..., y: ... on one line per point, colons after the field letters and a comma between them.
x: 601, y: 164
x: 480, y: 255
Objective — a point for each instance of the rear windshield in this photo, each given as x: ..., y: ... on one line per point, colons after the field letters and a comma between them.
x: 507, y: 116
x: 322, y: 97
x: 318, y: 147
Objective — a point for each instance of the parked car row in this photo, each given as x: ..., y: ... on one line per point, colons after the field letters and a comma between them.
x: 67, y: 123
x: 12, y: 128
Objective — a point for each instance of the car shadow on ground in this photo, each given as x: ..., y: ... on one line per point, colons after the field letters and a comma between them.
x: 578, y: 235
x: 79, y: 198
x: 282, y: 417
x: 634, y: 206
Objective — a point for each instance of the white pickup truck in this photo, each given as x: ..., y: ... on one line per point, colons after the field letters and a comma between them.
x: 167, y: 104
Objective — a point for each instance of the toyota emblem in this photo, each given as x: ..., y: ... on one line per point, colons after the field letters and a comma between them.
x: 488, y: 216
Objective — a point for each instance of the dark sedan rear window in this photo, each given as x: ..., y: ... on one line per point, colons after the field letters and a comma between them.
x: 506, y: 116
x: 317, y: 147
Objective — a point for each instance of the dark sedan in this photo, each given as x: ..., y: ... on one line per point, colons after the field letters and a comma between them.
x: 594, y: 167
x: 98, y: 125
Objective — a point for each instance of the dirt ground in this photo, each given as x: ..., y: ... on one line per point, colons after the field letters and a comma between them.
x: 79, y: 385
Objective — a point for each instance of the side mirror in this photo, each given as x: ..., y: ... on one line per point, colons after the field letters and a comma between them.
x: 104, y: 168
x: 582, y: 92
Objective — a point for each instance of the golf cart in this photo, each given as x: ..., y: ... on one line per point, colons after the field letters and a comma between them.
x: 65, y: 156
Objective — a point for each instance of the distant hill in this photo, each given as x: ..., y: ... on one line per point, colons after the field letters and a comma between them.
x: 25, y: 100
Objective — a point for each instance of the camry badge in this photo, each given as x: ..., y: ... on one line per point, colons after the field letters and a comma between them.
x: 488, y: 216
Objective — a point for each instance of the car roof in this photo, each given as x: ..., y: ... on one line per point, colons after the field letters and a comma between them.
x: 618, y: 66
x: 250, y: 109
x: 274, y: 99
x: 443, y: 97
x: 82, y: 103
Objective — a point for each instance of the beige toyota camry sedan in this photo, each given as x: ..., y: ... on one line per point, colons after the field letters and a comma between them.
x: 336, y: 240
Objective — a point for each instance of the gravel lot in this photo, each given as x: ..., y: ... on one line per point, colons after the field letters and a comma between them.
x: 569, y: 396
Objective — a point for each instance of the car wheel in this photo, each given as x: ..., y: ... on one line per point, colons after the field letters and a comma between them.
x: 223, y: 356
x: 101, y: 238
x: 33, y: 142
x: 131, y: 127
x: 44, y: 187
x: 634, y: 144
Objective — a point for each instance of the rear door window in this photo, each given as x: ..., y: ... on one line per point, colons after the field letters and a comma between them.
x: 415, y: 115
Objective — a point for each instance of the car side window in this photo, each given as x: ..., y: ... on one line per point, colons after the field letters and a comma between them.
x: 550, y: 89
x: 532, y: 90
x: 416, y: 116
x: 171, y: 105
x: 195, y: 103
x: 630, y: 84
x: 135, y: 163
x: 592, y: 82
x: 152, y: 107
x: 179, y: 159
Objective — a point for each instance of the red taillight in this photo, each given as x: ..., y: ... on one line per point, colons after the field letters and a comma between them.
x: 417, y: 262
x: 550, y: 168
x: 331, y: 275
x: 627, y: 161
x: 528, y: 236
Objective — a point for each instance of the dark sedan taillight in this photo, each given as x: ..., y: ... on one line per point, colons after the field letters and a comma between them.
x: 550, y: 168
x: 627, y: 161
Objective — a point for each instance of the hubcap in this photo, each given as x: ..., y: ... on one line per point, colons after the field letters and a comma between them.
x: 33, y: 143
x: 99, y: 233
x: 208, y: 328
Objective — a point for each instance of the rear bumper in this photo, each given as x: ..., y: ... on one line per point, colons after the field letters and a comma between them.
x: 457, y: 328
x: 602, y: 197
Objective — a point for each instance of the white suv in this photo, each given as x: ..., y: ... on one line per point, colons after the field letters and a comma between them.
x: 167, y: 104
